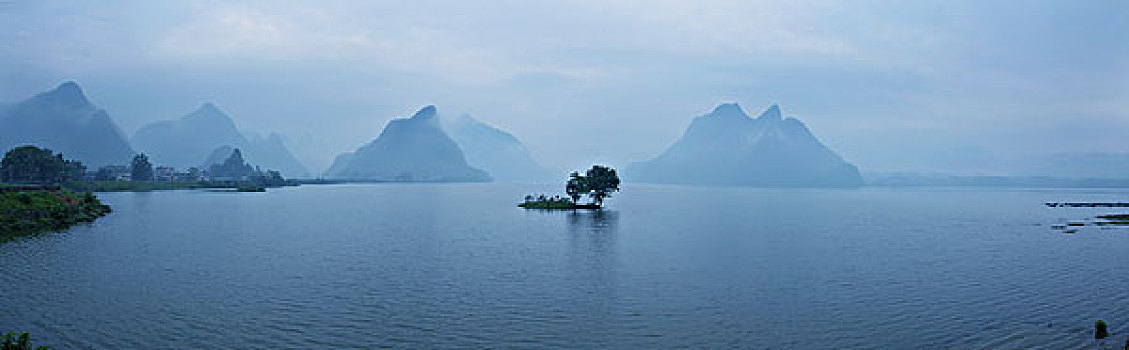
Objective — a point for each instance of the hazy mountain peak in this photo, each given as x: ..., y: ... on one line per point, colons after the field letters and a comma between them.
x: 67, y: 94
x: 207, y: 111
x: 208, y: 107
x: 217, y: 156
x: 69, y: 87
x: 411, y: 149
x: 772, y: 113
x: 498, y: 152
x: 181, y: 143
x: 728, y: 110
x: 427, y: 112
x: 779, y: 153
x: 63, y: 120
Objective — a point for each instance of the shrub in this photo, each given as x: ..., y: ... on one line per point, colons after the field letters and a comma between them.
x: 12, y: 341
x: 1101, y: 330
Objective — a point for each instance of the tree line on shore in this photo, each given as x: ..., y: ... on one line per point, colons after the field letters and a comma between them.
x: 34, y: 165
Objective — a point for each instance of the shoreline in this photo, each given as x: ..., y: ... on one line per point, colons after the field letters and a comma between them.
x: 149, y: 186
x: 37, y: 211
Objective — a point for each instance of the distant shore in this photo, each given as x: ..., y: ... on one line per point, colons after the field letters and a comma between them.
x: 146, y: 186
x: 358, y: 181
x: 891, y: 181
x: 918, y: 180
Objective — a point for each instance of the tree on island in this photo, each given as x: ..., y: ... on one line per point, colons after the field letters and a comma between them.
x: 30, y: 164
x: 597, y: 183
x: 575, y: 187
x: 140, y: 169
x: 601, y: 182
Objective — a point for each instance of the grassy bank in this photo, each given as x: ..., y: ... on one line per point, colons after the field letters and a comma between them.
x: 556, y: 205
x: 29, y: 212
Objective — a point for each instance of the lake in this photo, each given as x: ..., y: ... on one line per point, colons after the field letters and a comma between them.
x: 457, y: 265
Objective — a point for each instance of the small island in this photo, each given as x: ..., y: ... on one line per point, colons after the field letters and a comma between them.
x: 597, y: 183
x: 1113, y: 219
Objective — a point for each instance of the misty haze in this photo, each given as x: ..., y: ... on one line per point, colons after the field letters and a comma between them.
x: 564, y: 174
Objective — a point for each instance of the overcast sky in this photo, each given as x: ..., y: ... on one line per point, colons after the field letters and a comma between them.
x: 890, y: 85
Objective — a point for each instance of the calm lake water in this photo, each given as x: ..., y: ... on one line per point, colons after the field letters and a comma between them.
x: 457, y: 265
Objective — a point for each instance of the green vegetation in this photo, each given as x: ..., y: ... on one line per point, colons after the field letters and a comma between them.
x: 140, y: 169
x: 1101, y: 330
x: 21, y: 341
x: 1111, y: 223
x: 543, y: 202
x: 601, y: 182
x: 42, y: 206
x: 33, y: 165
x: 232, y: 167
x: 597, y: 183
x: 1116, y: 217
x: 28, y: 212
x: 26, y: 165
x: 270, y: 178
x: 1112, y: 220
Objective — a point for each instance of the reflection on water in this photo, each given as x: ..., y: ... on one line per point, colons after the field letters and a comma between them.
x: 592, y: 267
x: 592, y: 235
x: 596, y: 221
x: 592, y: 238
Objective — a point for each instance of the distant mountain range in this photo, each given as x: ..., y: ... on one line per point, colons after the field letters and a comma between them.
x: 411, y: 149
x: 724, y: 147
x: 191, y: 141
x: 727, y: 147
x: 187, y: 141
x: 63, y: 120
x: 497, y: 152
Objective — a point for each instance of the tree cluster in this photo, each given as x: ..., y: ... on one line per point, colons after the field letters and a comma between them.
x: 30, y: 164
x: 598, y: 183
x: 233, y: 167
x: 267, y: 178
x: 140, y: 168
